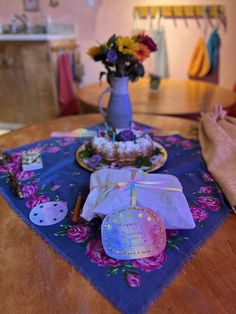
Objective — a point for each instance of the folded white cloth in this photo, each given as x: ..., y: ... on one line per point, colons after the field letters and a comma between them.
x: 159, y: 192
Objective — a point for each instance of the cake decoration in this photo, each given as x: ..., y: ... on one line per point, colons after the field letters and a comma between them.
x: 118, y: 148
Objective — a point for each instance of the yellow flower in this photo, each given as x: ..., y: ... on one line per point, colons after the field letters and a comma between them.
x: 126, y: 45
x: 94, y: 51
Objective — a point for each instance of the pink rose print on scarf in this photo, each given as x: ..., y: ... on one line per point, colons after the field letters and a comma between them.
x: 52, y: 149
x: 25, y: 175
x: 150, y: 263
x: 207, y: 178
x: 133, y: 279
x: 13, y: 166
x: 206, y: 190
x: 17, y: 157
x: 10, y: 166
x: 55, y: 187
x: 79, y: 233
x: 172, y: 139
x: 67, y: 141
x: 36, y: 200
x: 198, y: 214
x: 29, y: 190
x: 211, y: 203
x: 97, y: 255
x: 186, y: 144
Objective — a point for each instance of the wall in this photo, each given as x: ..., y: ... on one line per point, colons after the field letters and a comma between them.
x: 106, y: 17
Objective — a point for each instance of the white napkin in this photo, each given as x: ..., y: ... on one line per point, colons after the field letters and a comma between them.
x: 172, y: 206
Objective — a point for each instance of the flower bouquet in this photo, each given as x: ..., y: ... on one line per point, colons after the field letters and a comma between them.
x: 123, y: 56
x: 123, y: 60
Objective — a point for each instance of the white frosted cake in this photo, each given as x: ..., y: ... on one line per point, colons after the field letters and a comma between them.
x: 123, y: 145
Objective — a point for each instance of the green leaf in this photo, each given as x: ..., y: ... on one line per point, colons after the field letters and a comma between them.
x: 111, y: 40
x: 172, y: 246
x: 65, y: 227
x: 112, y: 271
x: 157, y: 151
x: 84, y: 244
x: 101, y: 75
x: 60, y: 233
x: 143, y: 161
x: 85, y: 154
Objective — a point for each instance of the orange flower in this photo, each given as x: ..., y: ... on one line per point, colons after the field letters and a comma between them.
x: 142, y: 52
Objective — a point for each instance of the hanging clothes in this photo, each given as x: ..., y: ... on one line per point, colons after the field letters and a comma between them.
x: 77, y: 68
x: 160, y: 66
x: 213, y: 46
x: 200, y: 64
x: 160, y: 58
x: 67, y: 96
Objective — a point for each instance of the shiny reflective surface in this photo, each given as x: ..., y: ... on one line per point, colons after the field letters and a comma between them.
x: 174, y: 97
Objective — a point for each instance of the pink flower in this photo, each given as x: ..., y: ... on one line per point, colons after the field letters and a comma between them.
x: 37, y: 149
x: 206, y: 190
x: 70, y: 139
x: 211, y: 203
x: 36, y: 200
x: 35, y: 180
x: 102, y: 133
x: 3, y: 169
x: 172, y: 232
x: 207, y: 178
x: 17, y: 157
x: 66, y: 142
x: 150, y: 263
x: 55, y: 187
x: 14, y: 167
x: 52, y: 149
x: 97, y: 255
x: 198, y: 214
x: 79, y: 233
x: 133, y: 280
x: 147, y: 40
x: 25, y: 175
x: 172, y: 139
x: 29, y: 190
x: 186, y: 144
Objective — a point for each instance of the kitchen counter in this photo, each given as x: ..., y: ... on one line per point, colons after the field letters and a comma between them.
x: 35, y: 37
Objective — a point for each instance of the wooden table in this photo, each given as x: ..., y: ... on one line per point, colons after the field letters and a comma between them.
x: 183, y: 98
x: 35, y: 279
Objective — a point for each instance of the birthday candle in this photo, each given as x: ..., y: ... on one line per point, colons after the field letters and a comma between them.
x: 113, y: 136
x: 106, y: 126
x: 77, y: 209
x: 97, y: 130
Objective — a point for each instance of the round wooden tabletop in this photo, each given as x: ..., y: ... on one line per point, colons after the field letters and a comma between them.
x: 35, y: 279
x: 174, y: 97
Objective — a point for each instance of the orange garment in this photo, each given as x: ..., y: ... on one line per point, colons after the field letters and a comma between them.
x: 67, y: 97
x: 200, y: 63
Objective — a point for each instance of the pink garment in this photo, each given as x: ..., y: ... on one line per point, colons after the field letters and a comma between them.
x: 67, y: 97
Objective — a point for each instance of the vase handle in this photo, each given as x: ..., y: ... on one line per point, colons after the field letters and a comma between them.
x: 108, y: 90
